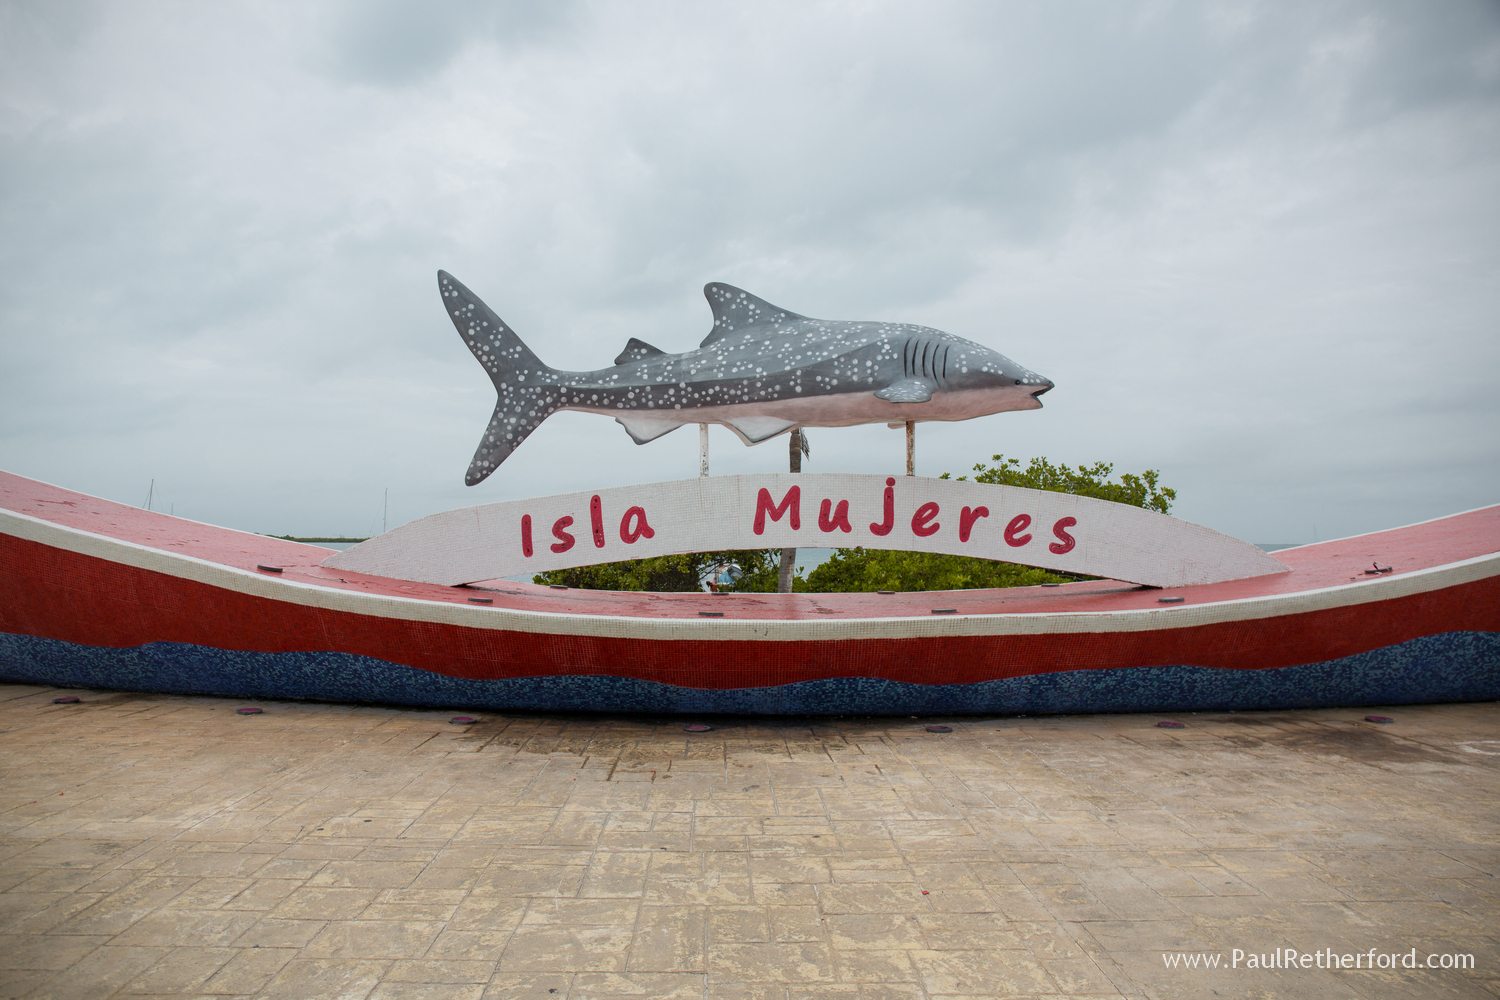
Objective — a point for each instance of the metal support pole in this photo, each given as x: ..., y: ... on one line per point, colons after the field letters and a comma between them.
x: 789, y: 556
x: 911, y: 447
x: 702, y: 450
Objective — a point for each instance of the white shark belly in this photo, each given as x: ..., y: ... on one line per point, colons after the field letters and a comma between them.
x: 765, y: 419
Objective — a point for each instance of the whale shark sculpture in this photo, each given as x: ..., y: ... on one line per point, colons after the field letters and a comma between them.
x: 761, y: 371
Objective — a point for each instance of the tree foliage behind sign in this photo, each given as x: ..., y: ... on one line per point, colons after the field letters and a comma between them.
x: 868, y: 570
x: 1138, y: 490
x: 865, y: 570
x: 668, y: 574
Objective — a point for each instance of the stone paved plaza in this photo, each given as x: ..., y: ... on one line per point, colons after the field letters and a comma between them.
x: 167, y: 846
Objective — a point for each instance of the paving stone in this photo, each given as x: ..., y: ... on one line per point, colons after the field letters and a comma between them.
x: 324, y: 903
x: 669, y: 939
x: 414, y: 904
x: 181, y: 970
x: 583, y: 912
x: 437, y: 971
x: 264, y: 894
x: 981, y: 973
x: 802, y: 962
x: 248, y: 971
x: 182, y: 928
x: 739, y: 923
x: 487, y: 912
x: 646, y: 985
x: 368, y: 874
x: 396, y: 990
x: 122, y: 908
x: 553, y: 948
x: 35, y: 951
x: 100, y: 973
x: 302, y: 978
x: 299, y: 869
x: 870, y: 898
x: 373, y: 939
x: 874, y: 966
x: 278, y: 932
x: 543, y: 986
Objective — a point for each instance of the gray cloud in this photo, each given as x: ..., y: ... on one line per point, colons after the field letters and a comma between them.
x: 1254, y: 245
x: 393, y: 44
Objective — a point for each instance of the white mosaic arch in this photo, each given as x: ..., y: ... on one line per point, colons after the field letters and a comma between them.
x: 1030, y: 527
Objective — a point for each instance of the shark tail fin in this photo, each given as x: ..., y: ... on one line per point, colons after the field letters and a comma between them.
x: 526, y: 391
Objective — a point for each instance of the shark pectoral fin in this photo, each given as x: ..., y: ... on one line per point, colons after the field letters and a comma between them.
x: 647, y: 428
x: 907, y: 390
x: 637, y: 350
x: 754, y: 430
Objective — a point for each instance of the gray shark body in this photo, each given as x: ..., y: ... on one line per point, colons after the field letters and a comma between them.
x: 761, y: 371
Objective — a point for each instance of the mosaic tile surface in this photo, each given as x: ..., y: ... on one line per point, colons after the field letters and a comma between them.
x: 1455, y: 666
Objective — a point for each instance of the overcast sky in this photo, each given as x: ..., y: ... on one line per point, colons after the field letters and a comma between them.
x: 1255, y: 246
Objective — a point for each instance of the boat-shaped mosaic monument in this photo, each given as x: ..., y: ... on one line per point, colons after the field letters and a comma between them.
x: 99, y: 594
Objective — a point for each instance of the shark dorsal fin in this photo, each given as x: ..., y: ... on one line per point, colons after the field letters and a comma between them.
x: 637, y: 350
x: 735, y: 309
